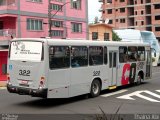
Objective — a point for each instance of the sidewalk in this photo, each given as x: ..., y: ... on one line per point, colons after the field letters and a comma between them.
x: 3, y: 83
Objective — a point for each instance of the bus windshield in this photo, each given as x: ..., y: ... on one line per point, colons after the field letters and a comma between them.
x: 26, y: 51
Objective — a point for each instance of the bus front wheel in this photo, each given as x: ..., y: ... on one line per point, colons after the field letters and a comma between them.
x: 95, y: 88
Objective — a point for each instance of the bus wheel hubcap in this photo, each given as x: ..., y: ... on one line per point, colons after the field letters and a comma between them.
x: 95, y: 88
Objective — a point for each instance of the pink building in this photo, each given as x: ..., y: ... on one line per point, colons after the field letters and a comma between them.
x: 29, y: 18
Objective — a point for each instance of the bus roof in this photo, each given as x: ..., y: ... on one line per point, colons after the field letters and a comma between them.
x: 81, y: 42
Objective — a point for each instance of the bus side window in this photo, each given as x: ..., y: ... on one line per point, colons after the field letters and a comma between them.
x: 95, y: 55
x: 132, y: 54
x: 79, y: 56
x: 123, y: 54
x: 59, y: 57
x: 141, y: 54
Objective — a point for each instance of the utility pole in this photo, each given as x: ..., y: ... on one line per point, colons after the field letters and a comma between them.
x: 50, y: 16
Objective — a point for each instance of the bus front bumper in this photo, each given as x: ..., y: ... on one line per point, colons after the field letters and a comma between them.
x: 28, y: 91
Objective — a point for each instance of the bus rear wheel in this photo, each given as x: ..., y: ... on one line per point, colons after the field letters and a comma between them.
x: 95, y: 88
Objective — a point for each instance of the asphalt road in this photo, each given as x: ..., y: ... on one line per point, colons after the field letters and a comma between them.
x: 142, y: 99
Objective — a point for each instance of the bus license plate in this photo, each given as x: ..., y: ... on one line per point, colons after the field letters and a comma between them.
x: 25, y: 82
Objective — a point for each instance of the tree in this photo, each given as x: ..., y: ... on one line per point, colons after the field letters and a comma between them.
x: 115, y: 37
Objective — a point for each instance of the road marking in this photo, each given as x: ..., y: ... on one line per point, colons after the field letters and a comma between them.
x: 138, y: 94
x: 114, y: 93
x: 158, y: 90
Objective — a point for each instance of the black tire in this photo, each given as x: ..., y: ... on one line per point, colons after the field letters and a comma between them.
x: 139, y: 80
x: 95, y: 88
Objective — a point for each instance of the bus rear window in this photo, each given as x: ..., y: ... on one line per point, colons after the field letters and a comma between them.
x: 26, y: 51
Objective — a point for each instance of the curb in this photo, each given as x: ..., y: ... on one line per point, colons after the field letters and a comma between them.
x: 3, y: 83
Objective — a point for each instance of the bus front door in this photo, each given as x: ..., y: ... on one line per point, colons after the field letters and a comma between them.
x: 112, y: 69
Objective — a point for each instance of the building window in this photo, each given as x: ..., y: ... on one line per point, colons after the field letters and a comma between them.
x: 59, y: 0
x: 157, y: 17
x: 122, y: 20
x: 157, y: 6
x: 57, y: 33
x: 35, y: 0
x: 76, y: 4
x: 57, y: 23
x: 34, y: 24
x: 109, y: 11
x: 136, y: 23
x: 122, y: 10
x: 157, y: 28
x: 106, y: 36
x: 76, y: 27
x: 142, y: 22
x: 122, y: 0
x: 110, y: 22
x: 135, y: 1
x: 56, y: 7
x: 135, y: 12
x: 141, y: 1
x: 109, y: 1
x: 2, y: 2
x: 94, y: 35
x: 142, y: 12
x: 8, y: 2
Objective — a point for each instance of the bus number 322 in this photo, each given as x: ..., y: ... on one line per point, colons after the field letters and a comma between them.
x: 24, y: 72
x: 96, y: 73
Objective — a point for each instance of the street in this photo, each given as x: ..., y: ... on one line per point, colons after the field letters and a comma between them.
x: 142, y: 99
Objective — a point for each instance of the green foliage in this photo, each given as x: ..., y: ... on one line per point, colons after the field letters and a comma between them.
x: 115, y: 37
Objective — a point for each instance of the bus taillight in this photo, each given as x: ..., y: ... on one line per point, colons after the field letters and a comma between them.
x: 42, y: 78
x: 8, y: 78
x: 41, y: 82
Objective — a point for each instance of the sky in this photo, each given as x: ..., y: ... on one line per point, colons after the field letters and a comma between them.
x: 93, y: 9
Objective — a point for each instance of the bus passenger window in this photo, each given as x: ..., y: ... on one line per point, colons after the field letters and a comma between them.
x: 132, y: 54
x: 59, y: 57
x: 141, y: 54
x: 123, y: 56
x: 79, y: 56
x: 95, y: 55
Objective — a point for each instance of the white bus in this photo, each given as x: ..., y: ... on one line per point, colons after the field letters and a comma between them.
x: 65, y: 68
x: 149, y: 37
x: 142, y: 37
